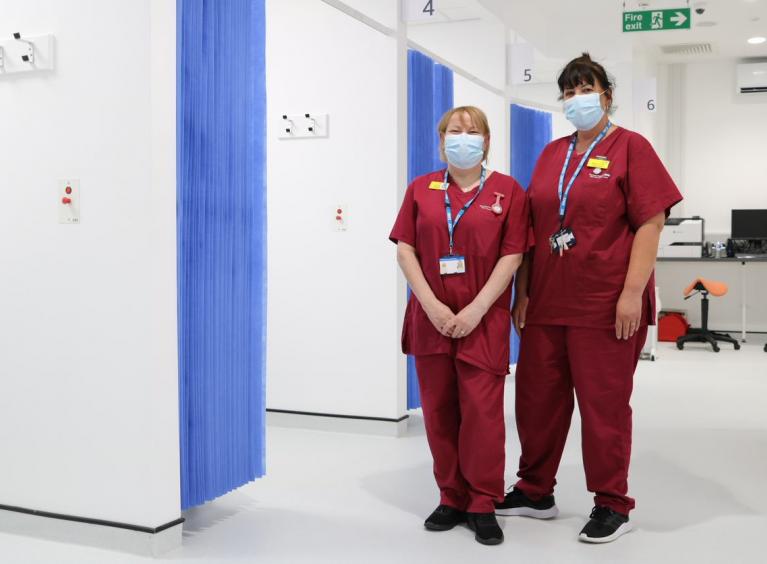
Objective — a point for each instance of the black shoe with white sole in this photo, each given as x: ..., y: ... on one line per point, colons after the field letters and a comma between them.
x: 516, y: 503
x: 485, y: 527
x: 444, y: 518
x: 605, y: 525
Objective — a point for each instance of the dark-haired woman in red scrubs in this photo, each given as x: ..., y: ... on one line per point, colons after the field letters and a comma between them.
x: 585, y: 296
x: 460, y: 236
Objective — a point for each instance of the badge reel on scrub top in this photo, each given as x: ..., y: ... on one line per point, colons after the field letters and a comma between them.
x: 496, y: 208
x: 564, y: 239
x: 456, y: 264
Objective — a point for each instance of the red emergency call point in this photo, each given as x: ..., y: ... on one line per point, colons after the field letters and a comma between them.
x: 68, y: 190
x: 341, y: 223
x: 66, y: 200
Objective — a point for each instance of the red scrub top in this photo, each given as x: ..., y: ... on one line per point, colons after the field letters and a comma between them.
x: 482, y: 237
x: 604, y: 210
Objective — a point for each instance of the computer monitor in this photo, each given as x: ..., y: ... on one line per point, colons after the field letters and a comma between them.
x: 749, y: 224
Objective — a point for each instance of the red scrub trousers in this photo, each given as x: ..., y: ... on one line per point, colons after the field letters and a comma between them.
x: 462, y: 380
x: 463, y: 413
x: 568, y: 343
x: 554, y: 362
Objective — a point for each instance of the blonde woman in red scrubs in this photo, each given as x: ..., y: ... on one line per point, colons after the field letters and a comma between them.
x: 585, y: 296
x: 461, y: 234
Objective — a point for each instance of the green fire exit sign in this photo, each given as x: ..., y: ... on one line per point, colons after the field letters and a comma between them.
x: 656, y: 20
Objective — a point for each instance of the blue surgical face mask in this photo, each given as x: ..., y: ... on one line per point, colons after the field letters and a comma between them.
x: 584, y: 111
x: 464, y: 150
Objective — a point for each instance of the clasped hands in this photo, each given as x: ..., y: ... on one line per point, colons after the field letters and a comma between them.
x: 455, y: 325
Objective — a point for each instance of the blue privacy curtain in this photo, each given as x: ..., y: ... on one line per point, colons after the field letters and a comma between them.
x: 430, y: 94
x: 530, y: 133
x: 221, y: 244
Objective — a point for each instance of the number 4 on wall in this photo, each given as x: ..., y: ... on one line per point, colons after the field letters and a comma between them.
x: 420, y: 10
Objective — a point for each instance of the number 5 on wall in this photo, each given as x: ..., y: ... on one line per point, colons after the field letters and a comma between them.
x: 521, y: 63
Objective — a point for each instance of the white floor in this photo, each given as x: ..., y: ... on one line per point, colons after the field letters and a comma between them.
x: 699, y: 474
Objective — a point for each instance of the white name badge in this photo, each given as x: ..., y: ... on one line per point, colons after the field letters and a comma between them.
x: 452, y: 265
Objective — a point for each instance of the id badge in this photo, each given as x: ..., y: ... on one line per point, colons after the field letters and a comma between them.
x: 562, y: 240
x: 452, y: 265
x: 598, y: 162
x: 438, y: 186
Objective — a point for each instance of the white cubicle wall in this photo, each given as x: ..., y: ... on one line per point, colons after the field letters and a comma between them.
x: 326, y: 355
x: 88, y: 356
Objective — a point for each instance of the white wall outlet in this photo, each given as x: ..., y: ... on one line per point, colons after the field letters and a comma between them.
x: 27, y: 54
x: 68, y: 201
x: 303, y: 126
x: 341, y: 217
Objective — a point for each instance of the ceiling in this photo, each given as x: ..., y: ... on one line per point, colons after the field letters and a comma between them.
x: 559, y: 28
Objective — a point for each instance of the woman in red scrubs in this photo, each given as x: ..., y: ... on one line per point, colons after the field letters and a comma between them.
x: 585, y: 296
x: 461, y: 234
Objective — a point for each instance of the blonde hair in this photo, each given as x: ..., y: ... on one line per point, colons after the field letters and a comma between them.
x: 478, y: 118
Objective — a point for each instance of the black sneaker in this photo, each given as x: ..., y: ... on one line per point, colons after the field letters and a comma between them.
x: 444, y: 518
x: 605, y: 525
x: 516, y: 503
x: 485, y: 527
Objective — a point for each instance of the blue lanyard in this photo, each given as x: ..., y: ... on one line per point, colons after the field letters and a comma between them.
x: 564, y: 197
x: 451, y: 225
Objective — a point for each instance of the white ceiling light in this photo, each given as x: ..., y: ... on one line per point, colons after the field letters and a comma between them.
x: 757, y: 40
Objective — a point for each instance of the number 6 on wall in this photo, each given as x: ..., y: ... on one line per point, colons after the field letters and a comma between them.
x: 645, y: 95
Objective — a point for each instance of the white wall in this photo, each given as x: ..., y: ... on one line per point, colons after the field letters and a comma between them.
x: 724, y: 145
x: 88, y: 359
x: 333, y: 342
x: 714, y: 139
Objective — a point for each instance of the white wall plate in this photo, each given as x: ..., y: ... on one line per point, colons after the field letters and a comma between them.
x: 303, y: 126
x: 40, y: 47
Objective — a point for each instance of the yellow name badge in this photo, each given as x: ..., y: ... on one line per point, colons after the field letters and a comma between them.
x: 437, y: 186
x: 598, y: 163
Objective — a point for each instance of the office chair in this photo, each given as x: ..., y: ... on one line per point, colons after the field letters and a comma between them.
x: 704, y: 335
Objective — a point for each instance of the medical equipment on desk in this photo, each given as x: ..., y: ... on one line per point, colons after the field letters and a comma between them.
x: 682, y: 238
x: 749, y: 233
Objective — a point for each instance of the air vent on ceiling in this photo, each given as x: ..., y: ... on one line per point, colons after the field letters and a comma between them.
x: 687, y: 49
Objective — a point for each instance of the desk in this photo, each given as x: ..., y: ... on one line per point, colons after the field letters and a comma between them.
x: 704, y: 263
